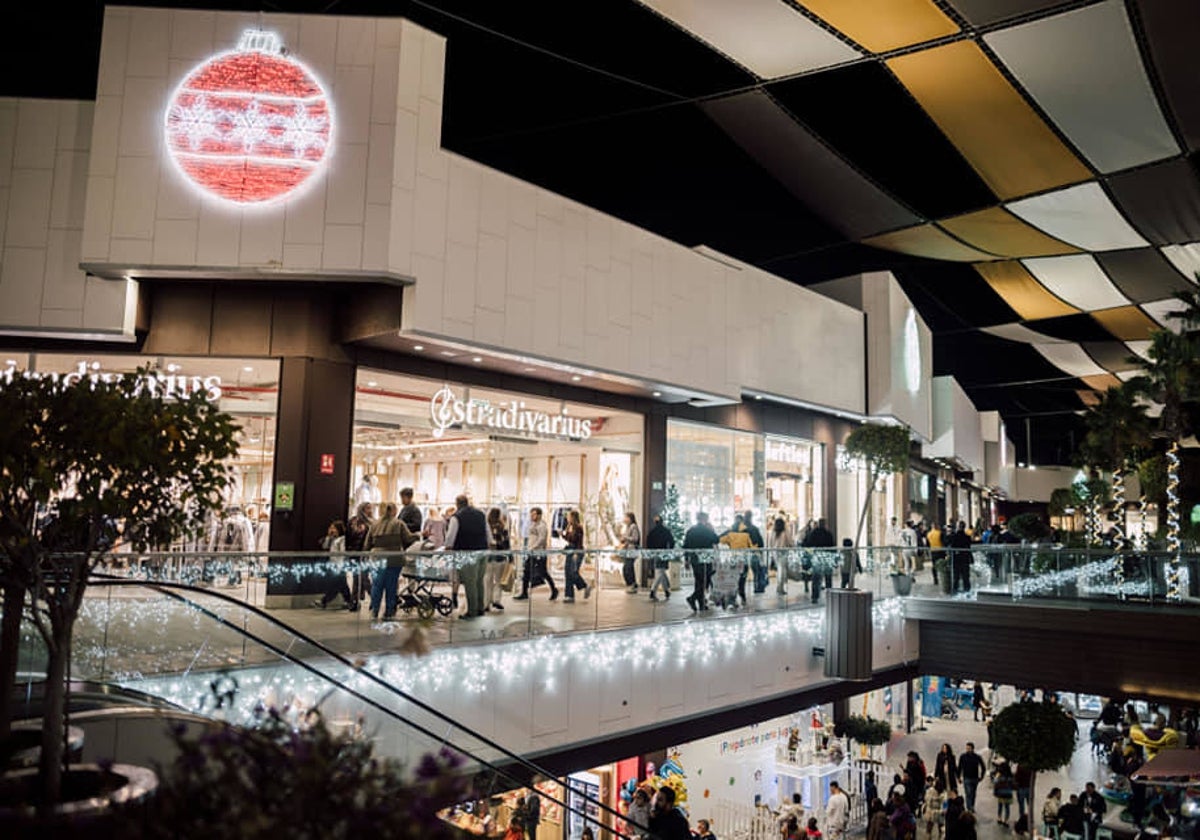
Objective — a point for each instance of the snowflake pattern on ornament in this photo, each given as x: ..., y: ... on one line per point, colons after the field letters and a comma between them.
x: 250, y: 126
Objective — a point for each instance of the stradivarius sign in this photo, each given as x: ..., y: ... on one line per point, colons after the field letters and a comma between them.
x: 446, y: 409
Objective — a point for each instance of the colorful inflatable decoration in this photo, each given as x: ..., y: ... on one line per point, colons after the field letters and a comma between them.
x: 1117, y: 789
x: 1154, y: 738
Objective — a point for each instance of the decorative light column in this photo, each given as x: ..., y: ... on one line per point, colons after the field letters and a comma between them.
x: 1173, y: 571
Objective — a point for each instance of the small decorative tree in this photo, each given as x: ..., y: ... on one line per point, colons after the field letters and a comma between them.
x: 1037, y: 736
x: 106, y: 458
x: 882, y: 450
x: 1118, y: 433
x: 867, y: 731
x: 672, y: 517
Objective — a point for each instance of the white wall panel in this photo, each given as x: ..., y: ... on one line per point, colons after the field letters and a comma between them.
x: 43, y: 206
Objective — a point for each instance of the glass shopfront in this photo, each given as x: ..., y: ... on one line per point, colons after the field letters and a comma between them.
x: 725, y: 471
x: 246, y: 388
x: 504, y: 450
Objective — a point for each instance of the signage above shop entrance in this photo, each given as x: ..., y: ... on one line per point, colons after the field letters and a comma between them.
x: 169, y: 385
x: 446, y: 409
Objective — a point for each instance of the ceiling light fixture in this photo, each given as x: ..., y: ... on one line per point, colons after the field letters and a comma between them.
x: 576, y: 378
x: 418, y: 347
x: 248, y: 369
x: 477, y: 359
x: 658, y: 393
x: 372, y: 384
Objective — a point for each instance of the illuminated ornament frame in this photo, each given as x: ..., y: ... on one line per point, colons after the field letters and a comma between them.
x: 250, y: 127
x: 912, y: 353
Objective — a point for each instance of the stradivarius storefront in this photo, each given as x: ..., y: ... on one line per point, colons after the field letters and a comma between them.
x: 502, y: 449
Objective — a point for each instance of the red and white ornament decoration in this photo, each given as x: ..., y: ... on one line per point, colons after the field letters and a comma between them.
x: 250, y: 126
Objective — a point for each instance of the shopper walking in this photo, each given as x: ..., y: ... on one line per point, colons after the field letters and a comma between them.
x: 497, y: 562
x: 1002, y: 789
x: 1050, y: 811
x: 334, y: 542
x: 660, y: 540
x: 837, y: 812
x: 356, y: 537
x: 573, y: 534
x: 467, y: 532
x: 700, y: 537
x: 971, y: 770
x: 1022, y: 779
x: 389, y: 535
x: 822, y: 565
x: 757, y: 563
x: 631, y: 541
x: 779, y: 540
x: 946, y: 768
x: 1094, y: 808
x: 536, y: 570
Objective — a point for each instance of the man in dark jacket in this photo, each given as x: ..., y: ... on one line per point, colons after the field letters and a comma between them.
x: 467, y: 531
x: 699, y: 536
x: 410, y: 514
x: 960, y: 557
x: 971, y: 770
x: 1094, y: 807
x: 666, y: 822
x: 756, y: 561
x: 660, y: 540
x: 1070, y: 817
x: 822, y: 565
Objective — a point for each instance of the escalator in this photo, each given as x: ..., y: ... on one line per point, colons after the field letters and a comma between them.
x: 148, y: 653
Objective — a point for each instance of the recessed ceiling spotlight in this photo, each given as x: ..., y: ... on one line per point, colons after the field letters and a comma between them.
x: 658, y: 393
x: 529, y: 369
x: 477, y: 359
x: 171, y: 368
x: 576, y: 378
x: 448, y: 353
x: 418, y: 347
x: 758, y: 396
x: 372, y: 384
x: 248, y: 369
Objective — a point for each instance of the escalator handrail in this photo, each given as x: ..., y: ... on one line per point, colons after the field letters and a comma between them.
x: 166, y: 588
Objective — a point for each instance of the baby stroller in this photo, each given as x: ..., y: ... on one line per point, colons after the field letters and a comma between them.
x: 725, y: 582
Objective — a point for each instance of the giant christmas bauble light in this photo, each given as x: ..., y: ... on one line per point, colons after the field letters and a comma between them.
x: 250, y: 126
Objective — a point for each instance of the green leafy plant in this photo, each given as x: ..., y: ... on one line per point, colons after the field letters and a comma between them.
x: 882, y: 450
x: 249, y: 782
x: 1029, y: 526
x: 1118, y: 434
x: 1062, y: 500
x: 1037, y: 736
x: 105, y: 459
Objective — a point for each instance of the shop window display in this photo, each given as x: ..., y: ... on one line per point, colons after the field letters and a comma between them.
x: 503, y: 450
x: 248, y: 389
x: 725, y: 471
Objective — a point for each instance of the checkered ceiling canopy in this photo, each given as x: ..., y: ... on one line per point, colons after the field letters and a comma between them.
x: 1027, y: 168
x: 1047, y: 145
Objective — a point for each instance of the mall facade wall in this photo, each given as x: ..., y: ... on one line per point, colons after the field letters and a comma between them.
x: 126, y: 242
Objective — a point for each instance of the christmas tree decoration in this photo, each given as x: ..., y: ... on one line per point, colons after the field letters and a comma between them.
x: 250, y: 126
x: 671, y: 516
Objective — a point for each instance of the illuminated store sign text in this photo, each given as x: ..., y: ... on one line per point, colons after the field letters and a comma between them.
x: 250, y: 126
x: 446, y: 410
x: 167, y: 385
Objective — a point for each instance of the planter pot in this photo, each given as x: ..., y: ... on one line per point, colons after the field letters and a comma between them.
x: 90, y: 794
x: 24, y: 747
x: 902, y: 584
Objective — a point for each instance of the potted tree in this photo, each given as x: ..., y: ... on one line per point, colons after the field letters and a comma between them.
x: 1037, y: 736
x: 867, y: 731
x: 84, y: 462
x: 880, y: 450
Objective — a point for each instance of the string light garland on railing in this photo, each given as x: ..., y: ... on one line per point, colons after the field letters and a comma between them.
x: 1119, y: 541
x: 449, y: 671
